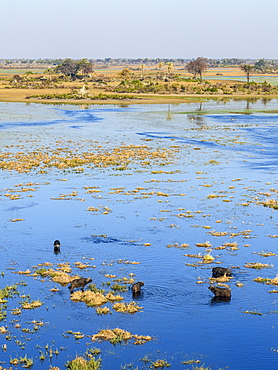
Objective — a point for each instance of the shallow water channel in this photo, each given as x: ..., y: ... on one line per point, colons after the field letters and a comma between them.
x: 167, y: 177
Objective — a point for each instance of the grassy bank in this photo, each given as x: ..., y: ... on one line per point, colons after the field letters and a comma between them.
x: 109, y: 86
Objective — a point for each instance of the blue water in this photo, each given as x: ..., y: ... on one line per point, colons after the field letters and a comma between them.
x: 233, y: 156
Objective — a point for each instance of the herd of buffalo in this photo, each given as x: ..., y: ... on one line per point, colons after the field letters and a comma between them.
x: 219, y: 293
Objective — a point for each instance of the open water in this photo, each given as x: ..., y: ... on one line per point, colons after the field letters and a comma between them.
x: 222, y: 166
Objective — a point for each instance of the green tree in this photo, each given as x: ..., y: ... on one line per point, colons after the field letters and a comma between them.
x: 247, y: 69
x: 68, y: 67
x: 261, y: 64
x: 86, y: 67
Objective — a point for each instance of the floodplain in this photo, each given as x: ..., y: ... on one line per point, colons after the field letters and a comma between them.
x: 155, y: 193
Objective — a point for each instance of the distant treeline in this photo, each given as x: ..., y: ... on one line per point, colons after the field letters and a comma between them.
x: 106, y: 62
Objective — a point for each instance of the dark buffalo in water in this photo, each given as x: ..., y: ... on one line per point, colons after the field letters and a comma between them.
x: 79, y: 283
x: 136, y: 288
x: 57, y: 245
x: 220, y: 292
x: 221, y: 271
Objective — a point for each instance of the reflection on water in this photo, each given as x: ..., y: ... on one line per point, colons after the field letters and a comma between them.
x: 169, y: 114
x: 152, y: 221
x: 220, y: 300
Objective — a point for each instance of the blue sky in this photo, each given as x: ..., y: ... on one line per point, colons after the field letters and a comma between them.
x: 139, y: 29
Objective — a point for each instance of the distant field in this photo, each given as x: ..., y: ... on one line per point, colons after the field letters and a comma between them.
x: 227, y: 74
x: 4, y: 72
x: 234, y: 73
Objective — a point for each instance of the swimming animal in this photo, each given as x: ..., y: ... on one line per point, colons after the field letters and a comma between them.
x: 56, y: 245
x: 136, y: 288
x: 220, y: 292
x: 79, y: 283
x: 221, y: 271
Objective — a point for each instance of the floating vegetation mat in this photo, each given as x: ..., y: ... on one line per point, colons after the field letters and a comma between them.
x: 118, y: 335
x: 271, y: 203
x: 103, y: 310
x: 205, y: 244
x: 81, y: 363
x: 131, y: 307
x: 221, y: 279
x: 254, y: 313
x: 26, y: 305
x: 267, y: 280
x: 257, y: 265
x: 160, y: 364
x: 63, y: 158
x: 90, y: 298
x: 265, y: 254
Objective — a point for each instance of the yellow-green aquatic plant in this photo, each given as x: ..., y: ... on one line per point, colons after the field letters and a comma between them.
x: 131, y: 307
x: 80, y: 363
x: 26, y: 305
x: 90, y: 298
x: 118, y: 335
x: 256, y: 265
x: 160, y: 364
x: 102, y: 310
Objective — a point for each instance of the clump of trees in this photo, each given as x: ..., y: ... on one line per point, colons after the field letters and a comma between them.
x: 197, y: 67
x: 72, y: 68
x: 265, y: 66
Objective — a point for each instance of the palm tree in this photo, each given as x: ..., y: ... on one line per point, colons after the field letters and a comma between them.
x: 142, y: 67
x: 160, y: 66
x: 170, y: 68
x: 247, y: 69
